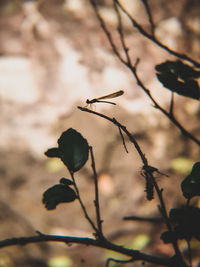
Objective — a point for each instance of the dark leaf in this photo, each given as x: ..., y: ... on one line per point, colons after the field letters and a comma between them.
x: 178, y: 77
x: 52, y: 153
x: 168, y: 237
x: 187, y: 221
x: 175, y: 261
x: 66, y: 181
x: 73, y: 149
x: 191, y: 184
x: 179, y: 69
x: 57, y: 194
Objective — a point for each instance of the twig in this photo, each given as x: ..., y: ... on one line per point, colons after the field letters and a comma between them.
x: 166, y: 113
x: 171, y: 105
x: 123, y: 141
x: 133, y: 69
x: 188, y: 202
x: 143, y: 219
x: 155, y: 40
x: 96, y: 201
x: 121, y: 34
x: 117, y: 261
x: 147, y: 168
x: 189, y: 253
x: 123, y: 128
x: 150, y: 17
x: 83, y: 206
x: 135, y: 254
x: 103, y: 26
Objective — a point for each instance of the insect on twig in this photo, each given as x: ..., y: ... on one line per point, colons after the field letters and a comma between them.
x: 100, y: 99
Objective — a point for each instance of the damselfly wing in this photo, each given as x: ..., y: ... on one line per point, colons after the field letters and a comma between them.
x: 101, y: 99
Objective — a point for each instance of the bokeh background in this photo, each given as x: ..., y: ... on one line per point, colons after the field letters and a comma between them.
x: 54, y: 56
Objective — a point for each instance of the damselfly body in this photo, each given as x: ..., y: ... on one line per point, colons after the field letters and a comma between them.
x: 101, y: 99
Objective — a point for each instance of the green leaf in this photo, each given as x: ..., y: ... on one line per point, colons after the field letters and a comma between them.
x: 73, y: 149
x: 191, y: 184
x: 52, y: 153
x: 57, y: 194
x: 66, y: 181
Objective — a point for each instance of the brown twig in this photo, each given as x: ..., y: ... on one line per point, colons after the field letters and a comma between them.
x: 171, y: 109
x: 133, y: 69
x: 109, y: 260
x: 121, y: 35
x: 103, y: 26
x: 68, y: 240
x: 143, y: 219
x: 123, y: 141
x: 149, y: 171
x: 123, y: 128
x: 82, y: 205
x: 96, y: 201
x: 150, y: 17
x: 154, y: 39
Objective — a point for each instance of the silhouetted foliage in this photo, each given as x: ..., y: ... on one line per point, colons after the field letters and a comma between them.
x: 73, y: 150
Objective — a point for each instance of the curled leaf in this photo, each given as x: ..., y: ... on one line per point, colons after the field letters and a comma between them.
x: 57, y: 194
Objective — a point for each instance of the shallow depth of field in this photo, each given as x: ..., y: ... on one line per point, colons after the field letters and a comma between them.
x: 53, y: 57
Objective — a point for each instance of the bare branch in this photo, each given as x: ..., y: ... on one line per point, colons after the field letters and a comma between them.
x: 123, y: 128
x: 96, y: 201
x: 148, y: 171
x: 155, y: 40
x: 83, y: 206
x: 171, y: 109
x: 133, y: 68
x: 123, y: 141
x: 118, y: 261
x: 68, y: 240
x: 103, y: 26
x: 143, y: 219
x: 148, y: 11
x: 121, y: 34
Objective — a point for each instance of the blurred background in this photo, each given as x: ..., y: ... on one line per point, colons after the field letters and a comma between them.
x: 54, y: 56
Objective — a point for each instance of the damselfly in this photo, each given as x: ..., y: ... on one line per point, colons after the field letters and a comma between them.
x: 100, y: 99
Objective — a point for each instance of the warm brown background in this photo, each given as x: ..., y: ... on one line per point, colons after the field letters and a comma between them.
x: 52, y: 58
